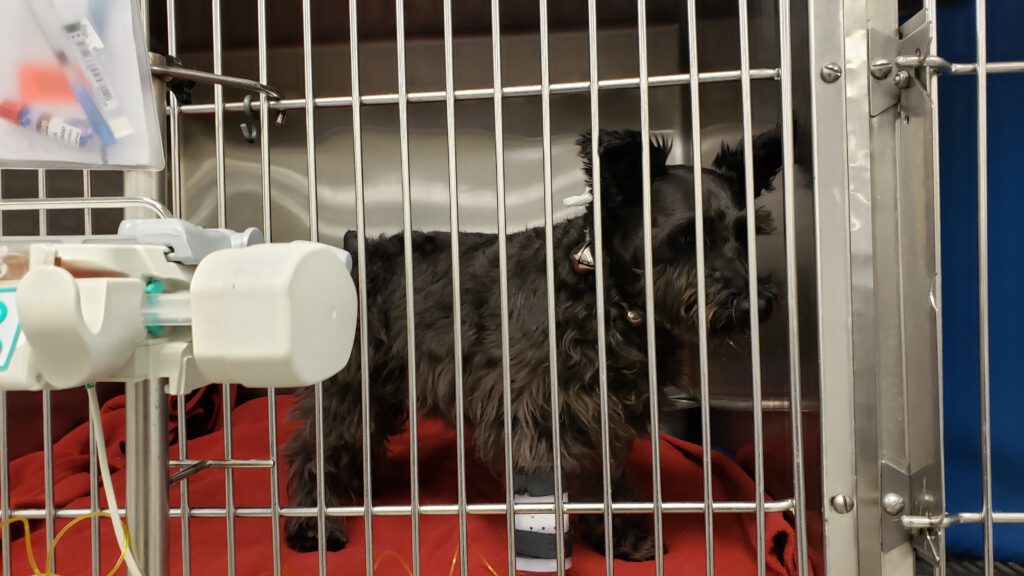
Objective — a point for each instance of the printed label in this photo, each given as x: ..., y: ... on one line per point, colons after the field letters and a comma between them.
x: 90, y: 37
x: 60, y: 130
x: 84, y: 40
x: 10, y: 327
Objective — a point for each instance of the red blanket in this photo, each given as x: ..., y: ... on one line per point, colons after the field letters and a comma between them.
x: 735, y: 534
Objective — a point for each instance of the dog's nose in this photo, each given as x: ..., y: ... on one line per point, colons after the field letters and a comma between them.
x: 764, y: 308
x: 743, y: 308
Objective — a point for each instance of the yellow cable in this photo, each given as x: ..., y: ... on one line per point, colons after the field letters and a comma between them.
x: 28, y: 542
x: 30, y: 554
x: 395, y: 556
x: 51, y: 550
x: 451, y: 571
x: 66, y: 528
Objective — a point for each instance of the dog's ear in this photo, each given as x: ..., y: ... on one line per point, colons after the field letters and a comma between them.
x: 622, y: 163
x: 767, y: 163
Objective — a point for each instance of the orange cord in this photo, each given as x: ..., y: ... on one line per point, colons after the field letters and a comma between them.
x: 451, y: 571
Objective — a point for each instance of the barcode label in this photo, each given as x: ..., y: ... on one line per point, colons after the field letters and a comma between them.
x: 86, y: 43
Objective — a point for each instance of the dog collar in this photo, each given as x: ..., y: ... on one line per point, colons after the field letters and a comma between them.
x: 582, y: 257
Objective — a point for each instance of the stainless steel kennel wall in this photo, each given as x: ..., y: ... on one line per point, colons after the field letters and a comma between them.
x: 405, y: 131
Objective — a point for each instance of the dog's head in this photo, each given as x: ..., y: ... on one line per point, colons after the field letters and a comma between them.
x: 674, y: 228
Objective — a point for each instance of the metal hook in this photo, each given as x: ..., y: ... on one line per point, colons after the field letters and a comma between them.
x: 182, y: 80
x: 251, y: 126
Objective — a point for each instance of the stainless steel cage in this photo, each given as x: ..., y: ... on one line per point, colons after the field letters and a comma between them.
x: 461, y: 116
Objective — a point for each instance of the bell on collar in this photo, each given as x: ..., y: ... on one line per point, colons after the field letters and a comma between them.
x: 634, y: 316
x: 583, y: 256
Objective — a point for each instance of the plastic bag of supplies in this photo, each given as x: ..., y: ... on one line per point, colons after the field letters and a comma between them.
x: 75, y: 86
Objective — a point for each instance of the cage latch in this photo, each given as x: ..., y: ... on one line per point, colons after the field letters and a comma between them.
x: 882, y: 68
x: 925, y: 531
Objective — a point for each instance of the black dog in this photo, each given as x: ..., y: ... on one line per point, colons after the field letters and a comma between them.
x: 675, y: 292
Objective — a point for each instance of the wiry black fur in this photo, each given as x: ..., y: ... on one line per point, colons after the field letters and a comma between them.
x: 675, y: 291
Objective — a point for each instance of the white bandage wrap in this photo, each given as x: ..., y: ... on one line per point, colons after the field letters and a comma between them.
x: 536, y: 534
x: 542, y: 523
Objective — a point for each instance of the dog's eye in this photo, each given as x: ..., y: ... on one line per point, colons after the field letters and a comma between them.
x: 684, y: 234
x: 740, y: 230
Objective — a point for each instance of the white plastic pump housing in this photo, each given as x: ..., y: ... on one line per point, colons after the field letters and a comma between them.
x: 273, y: 315
x: 75, y: 310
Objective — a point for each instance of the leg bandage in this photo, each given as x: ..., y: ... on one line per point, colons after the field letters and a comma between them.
x: 536, y: 533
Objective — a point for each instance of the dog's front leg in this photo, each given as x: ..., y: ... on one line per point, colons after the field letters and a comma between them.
x: 632, y: 534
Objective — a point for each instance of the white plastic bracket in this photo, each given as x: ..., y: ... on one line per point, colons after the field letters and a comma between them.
x: 71, y: 344
x: 188, y: 243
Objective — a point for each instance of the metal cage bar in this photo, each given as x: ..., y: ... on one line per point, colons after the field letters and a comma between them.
x: 602, y: 327
x: 410, y: 308
x: 514, y: 91
x: 792, y: 306
x: 314, y: 236
x: 222, y: 201
x: 95, y: 202
x: 506, y: 368
x: 652, y: 356
x: 549, y: 261
x: 364, y: 362
x: 48, y: 488
x: 752, y: 280
x: 983, y: 303
x: 453, y: 215
x: 267, y: 207
x: 702, y: 323
x: 490, y: 509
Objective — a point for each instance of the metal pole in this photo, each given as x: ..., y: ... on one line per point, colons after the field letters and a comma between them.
x: 146, y: 460
x: 145, y: 401
x: 148, y: 184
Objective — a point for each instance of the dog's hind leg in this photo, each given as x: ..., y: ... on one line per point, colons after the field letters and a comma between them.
x: 341, y: 423
x: 632, y: 534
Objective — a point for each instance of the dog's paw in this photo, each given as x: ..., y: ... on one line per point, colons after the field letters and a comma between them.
x: 634, y: 544
x: 301, y: 535
x: 632, y: 537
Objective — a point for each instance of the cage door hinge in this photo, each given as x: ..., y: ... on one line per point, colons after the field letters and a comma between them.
x: 901, y: 62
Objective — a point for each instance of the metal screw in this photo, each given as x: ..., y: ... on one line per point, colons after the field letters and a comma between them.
x: 881, y: 68
x: 902, y: 79
x: 893, y: 504
x: 831, y: 72
x: 842, y: 503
